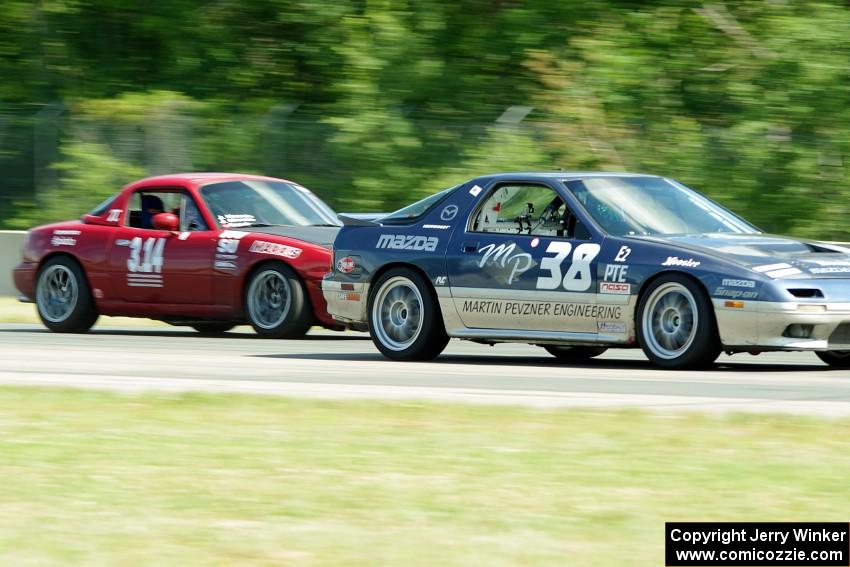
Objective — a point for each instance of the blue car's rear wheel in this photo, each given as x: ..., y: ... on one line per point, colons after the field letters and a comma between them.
x: 675, y: 324
x: 404, y: 317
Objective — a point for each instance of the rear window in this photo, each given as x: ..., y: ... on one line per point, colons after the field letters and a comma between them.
x: 417, y: 209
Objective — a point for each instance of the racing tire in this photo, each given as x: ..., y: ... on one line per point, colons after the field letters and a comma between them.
x: 212, y: 327
x: 835, y: 358
x: 405, y: 322
x: 575, y: 353
x: 63, y: 297
x: 276, y: 303
x: 676, y: 327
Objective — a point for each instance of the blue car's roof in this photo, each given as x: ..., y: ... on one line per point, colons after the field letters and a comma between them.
x: 559, y: 174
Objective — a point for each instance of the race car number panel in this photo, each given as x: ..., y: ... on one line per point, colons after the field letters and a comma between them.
x: 145, y: 264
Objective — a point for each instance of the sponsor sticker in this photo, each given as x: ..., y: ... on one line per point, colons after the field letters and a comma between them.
x: 738, y: 283
x: 611, y: 327
x: 346, y: 265
x: 475, y: 191
x: 235, y: 221
x: 63, y: 241
x: 448, y: 213
x: 542, y: 308
x: 831, y: 270
x: 232, y: 234
x: 616, y: 288
x: 735, y: 293
x: 227, y: 246
x: 508, y: 257
x: 623, y: 254
x: 407, y: 242
x: 676, y: 261
x: 436, y: 226
x: 62, y: 232
x: 275, y: 249
x: 615, y: 273
x: 225, y: 265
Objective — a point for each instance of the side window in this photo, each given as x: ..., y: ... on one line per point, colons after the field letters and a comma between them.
x: 191, y: 218
x: 534, y: 210
x: 146, y: 203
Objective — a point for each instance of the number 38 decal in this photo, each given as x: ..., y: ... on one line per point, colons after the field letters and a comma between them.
x: 578, y: 276
x: 147, y: 257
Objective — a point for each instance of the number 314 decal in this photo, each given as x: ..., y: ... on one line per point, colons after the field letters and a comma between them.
x: 578, y: 276
x: 146, y: 257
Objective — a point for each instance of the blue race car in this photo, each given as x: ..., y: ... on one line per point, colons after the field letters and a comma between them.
x: 580, y: 262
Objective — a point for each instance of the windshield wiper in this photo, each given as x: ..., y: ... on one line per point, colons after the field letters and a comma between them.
x: 333, y: 225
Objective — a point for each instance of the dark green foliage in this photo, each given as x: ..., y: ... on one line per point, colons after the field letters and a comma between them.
x: 374, y: 103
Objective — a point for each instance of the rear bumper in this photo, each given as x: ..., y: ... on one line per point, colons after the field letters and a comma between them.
x: 24, y: 276
x: 763, y: 325
x: 346, y: 301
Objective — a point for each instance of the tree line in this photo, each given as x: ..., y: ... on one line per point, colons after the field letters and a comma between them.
x: 375, y: 103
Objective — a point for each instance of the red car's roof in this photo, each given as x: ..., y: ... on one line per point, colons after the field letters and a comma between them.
x: 198, y: 178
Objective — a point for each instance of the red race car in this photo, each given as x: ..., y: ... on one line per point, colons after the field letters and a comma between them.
x: 209, y: 250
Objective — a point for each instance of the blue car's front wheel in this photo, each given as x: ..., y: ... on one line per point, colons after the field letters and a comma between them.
x: 676, y: 325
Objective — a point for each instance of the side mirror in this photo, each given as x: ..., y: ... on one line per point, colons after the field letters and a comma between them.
x: 165, y: 221
x: 92, y: 219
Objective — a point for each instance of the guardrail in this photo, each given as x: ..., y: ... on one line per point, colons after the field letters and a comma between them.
x: 11, y: 242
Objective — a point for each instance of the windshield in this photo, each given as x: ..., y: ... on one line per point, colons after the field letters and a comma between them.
x: 101, y: 208
x: 417, y: 209
x: 246, y: 203
x: 625, y: 206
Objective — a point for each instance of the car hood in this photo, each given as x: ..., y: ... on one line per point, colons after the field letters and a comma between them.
x: 320, y: 235
x: 777, y: 256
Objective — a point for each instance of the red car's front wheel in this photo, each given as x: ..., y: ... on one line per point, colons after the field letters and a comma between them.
x: 63, y: 297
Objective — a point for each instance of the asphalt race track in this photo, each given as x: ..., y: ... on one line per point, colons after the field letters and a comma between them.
x: 347, y: 366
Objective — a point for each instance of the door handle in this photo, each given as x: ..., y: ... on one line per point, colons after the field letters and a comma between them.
x: 469, y: 247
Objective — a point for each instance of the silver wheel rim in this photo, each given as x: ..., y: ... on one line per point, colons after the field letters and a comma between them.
x: 57, y: 293
x: 269, y: 299
x: 670, y: 320
x: 397, y: 313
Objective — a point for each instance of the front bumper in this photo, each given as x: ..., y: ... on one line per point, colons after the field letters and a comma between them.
x: 347, y: 302
x: 763, y: 325
x: 24, y: 275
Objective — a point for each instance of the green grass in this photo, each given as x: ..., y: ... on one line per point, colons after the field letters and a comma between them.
x: 13, y: 311
x: 109, y: 479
